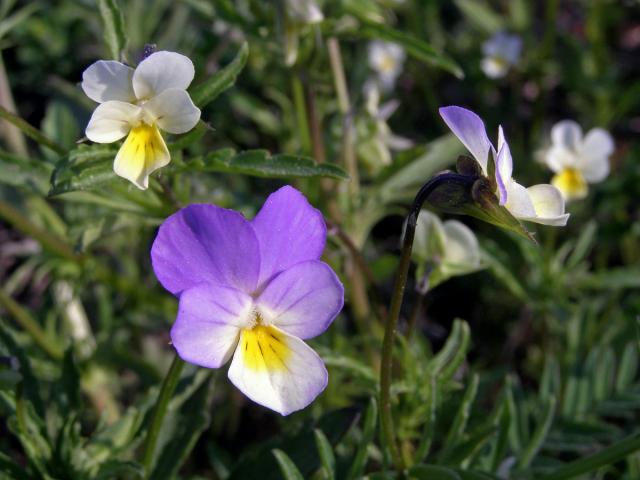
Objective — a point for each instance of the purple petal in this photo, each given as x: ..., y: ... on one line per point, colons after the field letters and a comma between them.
x: 206, y: 244
x: 289, y: 231
x: 469, y: 128
x: 504, y: 166
x: 210, y: 318
x: 303, y: 300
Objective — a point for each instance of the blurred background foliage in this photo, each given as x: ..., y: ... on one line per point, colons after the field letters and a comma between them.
x: 541, y: 373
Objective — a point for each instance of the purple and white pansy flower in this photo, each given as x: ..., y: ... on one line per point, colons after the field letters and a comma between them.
x: 540, y: 203
x: 252, y: 291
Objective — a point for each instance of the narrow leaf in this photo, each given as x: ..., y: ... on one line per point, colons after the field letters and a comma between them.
x: 113, y: 25
x: 287, y: 467
x: 368, y: 431
x: 325, y: 450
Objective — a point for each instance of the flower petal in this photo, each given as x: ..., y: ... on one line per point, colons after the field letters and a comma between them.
x: 289, y: 230
x: 142, y: 153
x: 111, y: 121
x: 504, y: 166
x: 277, y: 370
x: 571, y: 184
x: 549, y: 205
x: 173, y: 111
x: 567, y: 134
x: 594, y: 156
x: 161, y: 71
x: 303, y: 300
x: 207, y: 328
x: 107, y: 80
x: 206, y: 243
x: 469, y: 128
x: 462, y: 247
x: 518, y: 201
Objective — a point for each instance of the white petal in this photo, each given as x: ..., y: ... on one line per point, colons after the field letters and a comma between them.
x: 429, y: 240
x: 549, y: 205
x: 173, y: 111
x: 277, y: 370
x: 518, y: 201
x: 108, y: 80
x: 594, y: 155
x: 558, y: 158
x: 305, y: 11
x: 462, y: 247
x: 111, y: 121
x: 161, y: 71
x: 567, y: 134
x: 143, y: 152
x: 494, y: 67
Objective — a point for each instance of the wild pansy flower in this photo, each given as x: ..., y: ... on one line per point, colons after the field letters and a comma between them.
x: 578, y: 160
x: 540, y: 203
x: 501, y: 52
x: 378, y: 139
x: 136, y: 103
x: 252, y: 291
x: 387, y: 60
x: 443, y: 249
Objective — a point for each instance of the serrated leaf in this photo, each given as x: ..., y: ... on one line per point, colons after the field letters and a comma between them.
x: 225, y: 78
x: 85, y: 168
x: 260, y: 163
x: 113, y: 27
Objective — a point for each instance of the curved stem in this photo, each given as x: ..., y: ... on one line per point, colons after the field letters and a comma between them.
x: 166, y: 391
x: 386, y: 417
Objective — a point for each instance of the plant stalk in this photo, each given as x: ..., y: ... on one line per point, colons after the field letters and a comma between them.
x: 166, y: 391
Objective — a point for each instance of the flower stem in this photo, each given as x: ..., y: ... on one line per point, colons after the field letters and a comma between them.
x: 166, y: 391
x: 386, y: 367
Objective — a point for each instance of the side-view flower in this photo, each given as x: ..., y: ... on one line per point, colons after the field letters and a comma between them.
x: 252, y: 290
x: 136, y: 103
x: 541, y: 203
x: 578, y: 160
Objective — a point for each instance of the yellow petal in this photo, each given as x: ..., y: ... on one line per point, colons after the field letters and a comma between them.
x: 143, y: 152
x: 571, y: 183
x: 264, y: 348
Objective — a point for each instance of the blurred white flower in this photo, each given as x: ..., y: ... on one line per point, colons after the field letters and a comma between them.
x: 304, y: 11
x: 578, y: 160
x: 387, y: 60
x: 136, y: 104
x: 501, y: 52
x: 298, y: 14
x: 376, y: 149
x: 444, y: 249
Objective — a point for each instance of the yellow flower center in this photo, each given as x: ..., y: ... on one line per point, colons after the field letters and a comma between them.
x: 571, y: 183
x: 264, y: 348
x: 387, y: 64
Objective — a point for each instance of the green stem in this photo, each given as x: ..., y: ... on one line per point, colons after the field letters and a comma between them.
x: 47, y: 240
x: 31, y: 131
x: 24, y: 319
x: 166, y: 391
x: 386, y: 367
x: 301, y: 114
x: 609, y: 455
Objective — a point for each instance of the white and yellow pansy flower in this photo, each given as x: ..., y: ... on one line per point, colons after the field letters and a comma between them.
x: 578, y: 160
x: 138, y: 103
x: 501, y: 52
x: 387, y: 60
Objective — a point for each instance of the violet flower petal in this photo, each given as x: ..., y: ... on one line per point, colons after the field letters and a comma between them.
x: 303, y: 300
x: 208, y: 325
x: 289, y: 230
x: 206, y: 244
x: 470, y: 130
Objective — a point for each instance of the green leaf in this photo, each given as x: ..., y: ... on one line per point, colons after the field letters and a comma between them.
x: 432, y: 472
x: 287, y: 467
x: 260, y: 163
x: 628, y: 367
x: 445, y: 364
x: 325, y: 451
x: 415, y: 47
x: 207, y: 91
x: 462, y: 416
x: 611, y: 279
x: 30, y: 131
x: 368, y: 431
x: 539, y: 435
x: 480, y: 14
x: 113, y: 25
x: 300, y: 448
x: 24, y: 172
x: 85, y: 168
